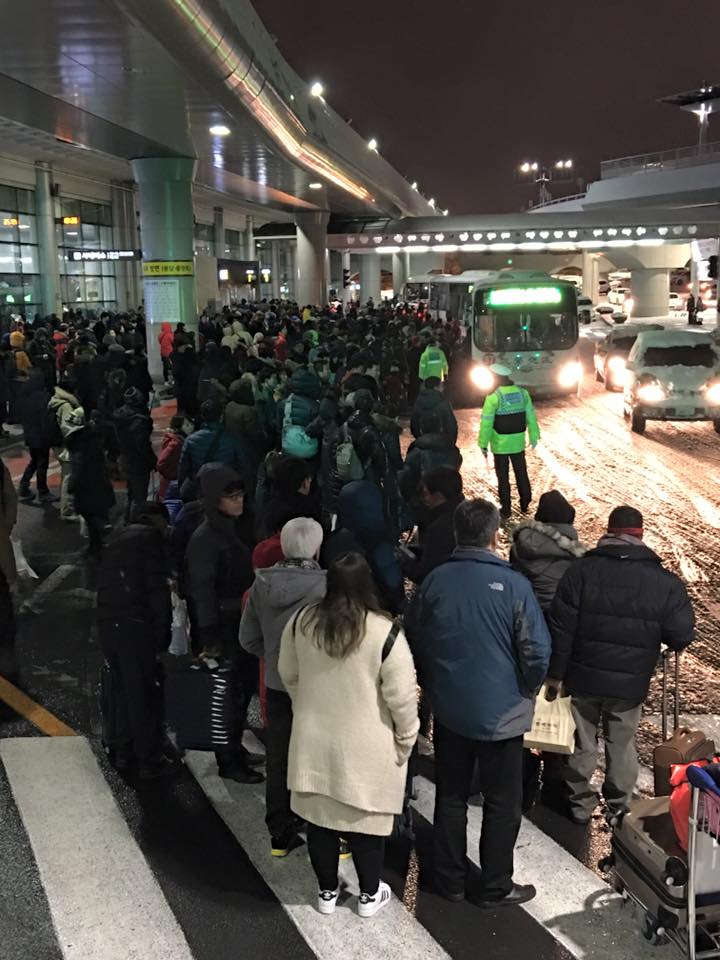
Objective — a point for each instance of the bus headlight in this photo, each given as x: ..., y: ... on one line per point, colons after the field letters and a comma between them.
x: 482, y: 378
x: 713, y: 393
x: 570, y: 374
x: 650, y: 393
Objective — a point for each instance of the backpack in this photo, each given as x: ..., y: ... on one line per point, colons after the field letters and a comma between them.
x: 53, y: 433
x: 348, y: 464
x: 295, y: 441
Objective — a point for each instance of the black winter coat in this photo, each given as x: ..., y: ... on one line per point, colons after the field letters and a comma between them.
x: 613, y: 609
x: 432, y: 401
x: 133, y: 581
x: 89, y: 481
x: 426, y: 453
x: 134, y: 430
x: 543, y: 552
x: 437, y: 542
x: 31, y: 409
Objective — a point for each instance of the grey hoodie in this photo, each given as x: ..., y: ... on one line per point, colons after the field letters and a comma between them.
x: 278, y: 592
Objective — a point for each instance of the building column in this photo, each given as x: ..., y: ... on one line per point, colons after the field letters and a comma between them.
x: 219, y: 231
x: 128, y: 285
x: 250, y: 239
x: 166, y: 220
x: 651, y: 291
x: 590, y: 276
x: 47, y: 240
x: 275, y: 268
x: 398, y: 272
x: 310, y: 261
x: 370, y: 279
x: 346, y: 292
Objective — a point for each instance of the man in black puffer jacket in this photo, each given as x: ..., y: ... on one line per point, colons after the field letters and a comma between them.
x: 431, y: 400
x: 612, y: 611
x: 134, y: 616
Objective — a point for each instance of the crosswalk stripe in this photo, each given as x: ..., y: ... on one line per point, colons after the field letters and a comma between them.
x: 578, y: 909
x: 104, y: 900
x: 392, y: 933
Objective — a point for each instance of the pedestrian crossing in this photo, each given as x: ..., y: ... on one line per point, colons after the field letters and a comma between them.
x: 106, y: 903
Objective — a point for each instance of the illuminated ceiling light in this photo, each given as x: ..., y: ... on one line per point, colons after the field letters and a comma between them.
x: 532, y: 246
x: 398, y: 238
x: 389, y: 249
x: 491, y: 236
x: 365, y: 240
x: 220, y: 130
x: 591, y: 244
x: 662, y: 231
x: 439, y: 237
x: 558, y: 234
x: 525, y: 167
x: 626, y: 231
x: 530, y: 234
x: 377, y: 239
x: 373, y: 144
x: 412, y: 238
x: 572, y: 234
x: 561, y: 245
x: 425, y: 237
x: 502, y: 246
x: 651, y: 242
x: 612, y: 231
x: 598, y: 232
x: 505, y: 236
x: 677, y: 231
x: 477, y: 236
x: 692, y: 231
x: 351, y: 241
x: 317, y: 89
x: 641, y: 231
x: 475, y: 247
x: 464, y: 237
x: 413, y: 185
x: 315, y: 186
x: 445, y: 248
x: 544, y: 234
x: 621, y: 243
x: 417, y: 248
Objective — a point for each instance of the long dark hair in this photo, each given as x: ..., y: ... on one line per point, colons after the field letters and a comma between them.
x: 337, y: 622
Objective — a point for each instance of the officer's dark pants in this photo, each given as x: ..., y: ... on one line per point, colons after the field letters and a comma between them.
x: 502, y: 471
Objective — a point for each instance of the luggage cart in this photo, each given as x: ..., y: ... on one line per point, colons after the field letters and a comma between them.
x: 680, y: 895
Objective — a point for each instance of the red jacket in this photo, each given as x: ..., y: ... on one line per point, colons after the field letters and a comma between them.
x: 267, y: 553
x: 165, y: 339
x: 61, y: 341
x: 169, y: 459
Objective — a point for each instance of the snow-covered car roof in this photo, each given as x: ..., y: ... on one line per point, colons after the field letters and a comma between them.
x: 674, y: 338
x: 634, y: 329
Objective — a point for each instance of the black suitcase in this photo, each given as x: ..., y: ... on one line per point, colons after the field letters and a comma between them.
x: 108, y: 710
x: 198, y: 703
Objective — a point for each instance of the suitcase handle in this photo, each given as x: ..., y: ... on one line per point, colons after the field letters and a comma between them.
x: 676, y: 698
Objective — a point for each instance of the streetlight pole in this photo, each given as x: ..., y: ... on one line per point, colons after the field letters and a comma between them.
x: 543, y: 174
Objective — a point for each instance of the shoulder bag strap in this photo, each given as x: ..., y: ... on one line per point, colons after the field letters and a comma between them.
x: 390, y: 641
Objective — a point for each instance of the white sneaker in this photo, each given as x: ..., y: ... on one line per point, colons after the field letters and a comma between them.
x: 327, y: 900
x: 368, y: 906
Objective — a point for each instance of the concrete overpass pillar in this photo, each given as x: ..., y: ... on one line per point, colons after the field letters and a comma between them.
x: 370, y: 279
x: 47, y: 240
x: 590, y: 276
x: 166, y: 221
x: 310, y: 260
x: 650, y: 291
x: 398, y: 272
x: 346, y: 292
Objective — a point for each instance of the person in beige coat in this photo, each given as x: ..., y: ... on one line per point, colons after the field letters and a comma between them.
x: 350, y: 674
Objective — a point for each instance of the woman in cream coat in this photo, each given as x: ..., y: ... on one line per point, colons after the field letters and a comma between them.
x: 351, y: 678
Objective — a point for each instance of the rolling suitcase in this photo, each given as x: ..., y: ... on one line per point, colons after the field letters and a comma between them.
x: 199, y: 703
x: 684, y: 745
x: 108, y: 715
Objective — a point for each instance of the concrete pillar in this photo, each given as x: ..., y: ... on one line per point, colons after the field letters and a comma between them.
x: 398, y: 272
x: 590, y: 276
x: 166, y: 220
x: 694, y: 274
x: 651, y: 291
x: 275, y: 268
x: 310, y: 261
x: 370, y: 280
x: 128, y: 283
x: 406, y: 257
x: 250, y: 239
x: 219, y: 231
x: 346, y: 292
x: 47, y: 240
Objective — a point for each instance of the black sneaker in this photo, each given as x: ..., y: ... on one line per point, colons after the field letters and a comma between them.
x: 283, y: 846
x: 251, y: 759
x: 26, y: 496
x: 240, y: 773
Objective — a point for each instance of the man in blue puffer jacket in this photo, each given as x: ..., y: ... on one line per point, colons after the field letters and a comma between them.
x: 482, y: 650
x: 213, y: 444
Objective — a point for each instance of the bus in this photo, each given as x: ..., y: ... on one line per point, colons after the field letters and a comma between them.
x: 527, y: 321
x: 446, y: 295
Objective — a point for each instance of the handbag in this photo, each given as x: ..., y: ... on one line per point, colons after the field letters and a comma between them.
x: 553, y: 727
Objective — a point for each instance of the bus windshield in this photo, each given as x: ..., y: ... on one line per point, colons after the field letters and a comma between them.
x: 526, y: 330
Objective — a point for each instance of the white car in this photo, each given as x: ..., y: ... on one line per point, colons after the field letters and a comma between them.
x: 611, y: 353
x: 672, y: 375
x: 677, y: 303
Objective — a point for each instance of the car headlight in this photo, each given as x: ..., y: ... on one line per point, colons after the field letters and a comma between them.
x: 570, y: 374
x: 650, y: 393
x: 483, y: 378
x: 713, y: 393
x: 616, y: 364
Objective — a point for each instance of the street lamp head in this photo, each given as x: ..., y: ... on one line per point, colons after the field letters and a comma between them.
x: 317, y: 89
x: 525, y: 167
x: 568, y: 164
x: 373, y: 144
x: 534, y: 166
x: 414, y: 185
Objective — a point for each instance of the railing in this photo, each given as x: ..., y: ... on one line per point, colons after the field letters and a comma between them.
x: 662, y: 160
x: 551, y: 203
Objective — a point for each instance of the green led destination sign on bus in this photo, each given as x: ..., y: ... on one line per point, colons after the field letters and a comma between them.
x: 524, y: 296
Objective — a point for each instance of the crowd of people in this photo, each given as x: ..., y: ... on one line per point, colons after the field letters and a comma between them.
x: 334, y: 574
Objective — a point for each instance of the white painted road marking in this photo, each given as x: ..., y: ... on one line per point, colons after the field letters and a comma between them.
x: 104, y: 900
x: 394, y: 933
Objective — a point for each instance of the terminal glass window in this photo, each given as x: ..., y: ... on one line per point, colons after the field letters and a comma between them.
x: 86, y: 225
x: 19, y: 266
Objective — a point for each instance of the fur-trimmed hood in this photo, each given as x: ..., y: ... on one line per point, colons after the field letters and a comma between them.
x: 536, y: 539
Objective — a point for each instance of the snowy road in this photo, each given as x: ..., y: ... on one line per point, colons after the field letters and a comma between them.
x: 672, y: 474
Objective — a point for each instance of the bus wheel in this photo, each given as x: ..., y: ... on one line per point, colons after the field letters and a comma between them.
x: 637, y: 422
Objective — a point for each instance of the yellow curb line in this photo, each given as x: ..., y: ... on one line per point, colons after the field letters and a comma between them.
x: 37, y: 715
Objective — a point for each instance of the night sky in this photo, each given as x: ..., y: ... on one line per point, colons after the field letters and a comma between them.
x: 459, y: 93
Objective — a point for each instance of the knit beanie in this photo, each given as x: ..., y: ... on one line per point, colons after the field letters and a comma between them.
x: 554, y: 508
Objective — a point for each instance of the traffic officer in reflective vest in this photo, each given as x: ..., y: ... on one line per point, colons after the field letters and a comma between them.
x: 508, y: 415
x: 433, y: 362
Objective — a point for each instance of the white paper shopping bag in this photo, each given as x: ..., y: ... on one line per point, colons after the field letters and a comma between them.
x: 553, y: 728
